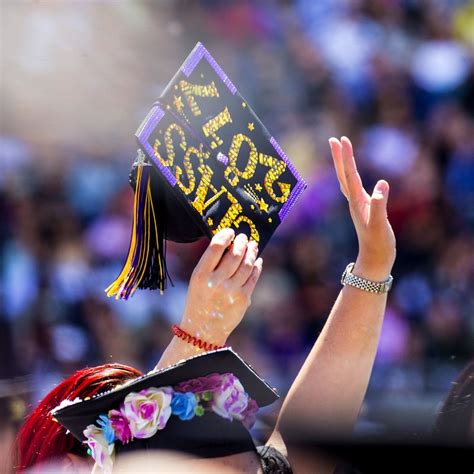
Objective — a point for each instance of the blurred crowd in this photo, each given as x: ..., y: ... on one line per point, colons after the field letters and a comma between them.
x: 396, y: 76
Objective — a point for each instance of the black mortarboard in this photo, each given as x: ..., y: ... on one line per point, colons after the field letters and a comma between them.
x: 207, y: 434
x: 205, y: 162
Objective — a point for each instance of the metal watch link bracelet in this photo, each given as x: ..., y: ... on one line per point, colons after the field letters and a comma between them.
x: 348, y: 278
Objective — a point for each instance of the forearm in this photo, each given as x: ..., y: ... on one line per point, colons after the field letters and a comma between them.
x: 330, y: 387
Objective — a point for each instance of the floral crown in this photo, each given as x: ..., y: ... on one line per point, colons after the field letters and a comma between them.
x: 142, y: 414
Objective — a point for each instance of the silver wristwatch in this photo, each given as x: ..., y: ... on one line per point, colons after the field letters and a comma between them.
x: 348, y: 278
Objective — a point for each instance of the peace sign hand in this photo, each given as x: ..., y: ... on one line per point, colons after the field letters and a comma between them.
x: 369, y: 213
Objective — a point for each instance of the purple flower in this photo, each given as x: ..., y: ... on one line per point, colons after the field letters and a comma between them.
x: 147, y: 411
x: 230, y: 400
x: 183, y: 405
x: 120, y: 425
x: 249, y: 414
x: 209, y: 383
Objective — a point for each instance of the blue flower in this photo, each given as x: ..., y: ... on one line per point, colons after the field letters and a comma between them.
x: 107, y: 429
x: 183, y: 405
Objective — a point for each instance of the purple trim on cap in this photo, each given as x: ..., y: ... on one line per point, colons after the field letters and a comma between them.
x: 223, y: 158
x: 283, y: 156
x: 300, y: 185
x: 193, y: 60
x: 144, y: 132
x: 294, y: 195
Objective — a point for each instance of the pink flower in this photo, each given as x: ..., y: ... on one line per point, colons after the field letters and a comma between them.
x: 230, y: 400
x: 209, y: 383
x: 120, y: 425
x: 147, y: 411
x: 249, y: 414
x: 101, y: 451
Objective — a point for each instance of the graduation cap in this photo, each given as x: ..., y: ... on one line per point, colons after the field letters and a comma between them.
x: 205, y: 162
x: 202, y: 406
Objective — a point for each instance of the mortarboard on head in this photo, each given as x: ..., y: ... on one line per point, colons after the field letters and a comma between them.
x: 205, y: 162
x: 201, y: 406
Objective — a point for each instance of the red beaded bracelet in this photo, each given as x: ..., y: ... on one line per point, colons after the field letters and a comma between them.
x: 195, y: 341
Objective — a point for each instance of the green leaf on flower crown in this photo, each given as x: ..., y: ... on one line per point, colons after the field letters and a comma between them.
x: 199, y: 410
x: 207, y: 396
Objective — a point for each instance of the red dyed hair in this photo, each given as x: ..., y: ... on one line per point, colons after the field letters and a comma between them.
x: 43, y: 439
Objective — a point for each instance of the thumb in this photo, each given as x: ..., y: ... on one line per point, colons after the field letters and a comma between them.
x: 378, y: 203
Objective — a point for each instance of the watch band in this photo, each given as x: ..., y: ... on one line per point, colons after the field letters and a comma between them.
x: 348, y: 278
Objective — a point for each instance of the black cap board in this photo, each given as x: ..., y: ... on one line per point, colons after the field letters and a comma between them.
x: 77, y: 416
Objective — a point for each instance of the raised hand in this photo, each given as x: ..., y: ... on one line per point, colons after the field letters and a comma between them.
x: 369, y: 214
x: 221, y: 287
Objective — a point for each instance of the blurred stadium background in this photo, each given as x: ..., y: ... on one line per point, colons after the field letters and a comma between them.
x: 396, y: 76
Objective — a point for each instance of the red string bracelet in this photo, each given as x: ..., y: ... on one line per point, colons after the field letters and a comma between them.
x: 195, y: 341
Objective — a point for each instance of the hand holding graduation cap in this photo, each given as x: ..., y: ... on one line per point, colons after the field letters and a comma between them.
x: 221, y: 287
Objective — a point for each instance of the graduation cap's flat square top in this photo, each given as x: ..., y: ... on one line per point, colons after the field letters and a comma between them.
x: 214, y: 152
x: 77, y: 416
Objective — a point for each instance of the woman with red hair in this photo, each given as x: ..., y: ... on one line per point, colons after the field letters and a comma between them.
x: 41, y: 439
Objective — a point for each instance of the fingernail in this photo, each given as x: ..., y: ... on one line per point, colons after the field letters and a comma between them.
x: 240, y: 240
x: 381, y: 187
x: 225, y: 234
x: 239, y: 243
x: 242, y: 237
x: 253, y: 245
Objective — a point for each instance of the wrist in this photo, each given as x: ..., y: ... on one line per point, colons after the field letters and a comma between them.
x: 199, y: 343
x: 213, y: 335
x: 370, y: 270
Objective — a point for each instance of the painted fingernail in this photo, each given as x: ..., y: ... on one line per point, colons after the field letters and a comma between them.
x: 225, y: 235
x: 239, y: 244
x: 253, y: 246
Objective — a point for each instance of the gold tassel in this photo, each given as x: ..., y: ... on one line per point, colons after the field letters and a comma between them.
x: 145, y: 266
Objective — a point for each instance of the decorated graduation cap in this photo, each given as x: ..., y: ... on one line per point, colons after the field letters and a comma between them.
x: 205, y: 162
x: 202, y: 406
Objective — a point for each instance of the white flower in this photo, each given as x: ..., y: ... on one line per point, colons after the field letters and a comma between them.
x: 102, y: 452
x: 231, y: 400
x: 147, y: 411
